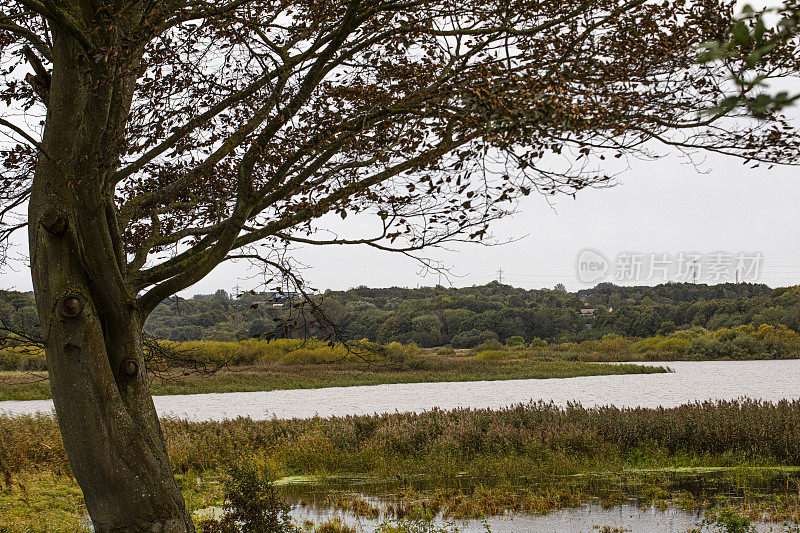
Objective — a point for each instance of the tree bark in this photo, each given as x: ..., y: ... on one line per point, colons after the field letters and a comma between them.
x: 91, y: 323
x: 108, y: 423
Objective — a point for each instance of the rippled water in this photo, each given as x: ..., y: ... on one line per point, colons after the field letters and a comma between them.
x: 690, y: 382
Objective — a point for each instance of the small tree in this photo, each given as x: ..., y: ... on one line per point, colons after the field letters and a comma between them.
x: 155, y: 140
x: 252, y: 504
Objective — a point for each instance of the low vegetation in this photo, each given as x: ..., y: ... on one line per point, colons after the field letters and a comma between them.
x: 695, y: 344
x: 527, y: 458
x: 258, y: 365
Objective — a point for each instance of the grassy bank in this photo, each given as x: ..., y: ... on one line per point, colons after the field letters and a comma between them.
x: 529, y: 458
x: 262, y: 366
x: 258, y: 365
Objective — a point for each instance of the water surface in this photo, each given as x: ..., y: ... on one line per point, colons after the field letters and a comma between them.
x: 626, y: 518
x: 691, y: 381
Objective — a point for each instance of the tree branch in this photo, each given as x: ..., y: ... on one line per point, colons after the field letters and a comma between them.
x: 42, y: 47
x: 59, y: 16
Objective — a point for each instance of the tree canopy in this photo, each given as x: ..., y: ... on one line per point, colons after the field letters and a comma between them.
x: 754, y: 41
x: 153, y: 140
x: 250, y: 120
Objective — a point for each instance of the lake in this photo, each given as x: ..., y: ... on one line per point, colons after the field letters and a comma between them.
x: 690, y: 382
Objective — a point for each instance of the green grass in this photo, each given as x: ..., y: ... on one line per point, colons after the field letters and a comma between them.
x: 16, y: 385
x: 41, y: 501
x: 275, y: 375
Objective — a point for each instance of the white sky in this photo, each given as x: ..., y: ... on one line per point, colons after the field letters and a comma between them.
x: 662, y: 206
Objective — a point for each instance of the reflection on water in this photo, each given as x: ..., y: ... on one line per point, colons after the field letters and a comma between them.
x: 691, y: 381
x: 627, y: 503
x: 587, y: 519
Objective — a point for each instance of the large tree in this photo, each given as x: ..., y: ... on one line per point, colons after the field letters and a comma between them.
x: 156, y: 139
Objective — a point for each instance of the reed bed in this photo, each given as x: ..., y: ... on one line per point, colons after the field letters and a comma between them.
x: 522, y: 440
x: 530, y: 458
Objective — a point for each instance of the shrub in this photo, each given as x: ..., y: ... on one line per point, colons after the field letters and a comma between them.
x: 16, y: 356
x: 493, y: 355
x: 491, y: 344
x: 472, y: 338
x: 537, y: 343
x: 401, y: 353
x: 516, y: 340
x: 253, y: 505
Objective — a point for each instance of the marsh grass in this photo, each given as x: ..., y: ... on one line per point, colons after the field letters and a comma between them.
x: 41, y: 501
x: 17, y: 385
x: 530, y: 458
x: 527, y: 458
x: 523, y: 441
x: 279, y: 374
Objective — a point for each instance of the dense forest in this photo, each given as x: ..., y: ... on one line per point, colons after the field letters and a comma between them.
x: 463, y: 317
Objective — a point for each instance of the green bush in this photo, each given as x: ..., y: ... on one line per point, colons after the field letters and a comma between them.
x: 493, y: 355
x: 514, y: 341
x: 537, y: 343
x: 472, y: 338
x: 252, y: 505
x: 491, y: 344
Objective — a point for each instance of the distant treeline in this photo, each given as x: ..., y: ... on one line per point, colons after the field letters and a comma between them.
x: 464, y: 317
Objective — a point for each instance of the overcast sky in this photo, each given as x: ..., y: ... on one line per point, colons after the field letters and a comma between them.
x: 726, y: 215
x: 663, y: 207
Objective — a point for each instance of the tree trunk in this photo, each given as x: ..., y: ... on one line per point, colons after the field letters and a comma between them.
x: 91, y: 324
x: 108, y: 423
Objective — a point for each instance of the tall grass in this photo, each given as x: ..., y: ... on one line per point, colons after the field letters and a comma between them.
x: 524, y: 440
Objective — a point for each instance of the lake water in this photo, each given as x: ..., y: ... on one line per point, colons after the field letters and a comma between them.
x: 690, y: 382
